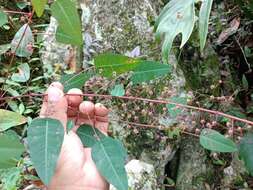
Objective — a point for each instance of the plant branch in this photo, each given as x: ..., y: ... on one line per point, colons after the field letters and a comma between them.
x: 151, y: 126
x: 155, y: 101
x: 16, y: 12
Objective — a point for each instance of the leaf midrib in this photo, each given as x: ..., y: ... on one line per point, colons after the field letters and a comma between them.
x: 117, y: 64
x: 151, y: 70
x: 66, y: 16
x: 107, y: 157
x: 46, y: 145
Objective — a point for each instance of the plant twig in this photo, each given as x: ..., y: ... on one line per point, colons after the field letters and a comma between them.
x: 16, y: 12
x: 156, y: 101
x: 151, y: 126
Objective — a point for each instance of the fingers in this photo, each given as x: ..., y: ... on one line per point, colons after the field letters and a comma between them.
x: 101, y: 110
x: 74, y: 101
x: 101, y: 114
x: 55, y: 104
x: 95, y: 115
x: 87, y: 112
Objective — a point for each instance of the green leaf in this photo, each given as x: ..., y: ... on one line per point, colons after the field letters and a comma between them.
x: 39, y: 6
x: 3, y: 18
x: 118, y: 90
x: 22, y: 43
x: 45, y: 137
x: 69, y: 30
x: 70, y: 125
x: 109, y: 156
x: 10, y: 119
x: 110, y: 65
x: 74, y: 80
x: 213, y: 140
x: 23, y: 74
x: 246, y: 151
x: 204, y: 15
x: 10, y: 150
x: 149, y: 70
x: 89, y: 135
x: 177, y: 17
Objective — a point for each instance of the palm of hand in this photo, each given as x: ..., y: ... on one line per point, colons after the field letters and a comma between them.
x: 75, y: 169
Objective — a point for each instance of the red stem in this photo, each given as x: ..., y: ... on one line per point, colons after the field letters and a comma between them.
x: 214, y: 112
x: 151, y: 126
x: 16, y: 12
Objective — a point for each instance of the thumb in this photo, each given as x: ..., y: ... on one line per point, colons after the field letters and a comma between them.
x: 55, y: 104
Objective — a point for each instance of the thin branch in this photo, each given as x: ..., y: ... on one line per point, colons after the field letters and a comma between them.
x: 16, y: 12
x: 151, y: 126
x: 156, y: 101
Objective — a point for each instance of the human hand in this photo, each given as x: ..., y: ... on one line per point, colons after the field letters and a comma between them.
x: 75, y: 169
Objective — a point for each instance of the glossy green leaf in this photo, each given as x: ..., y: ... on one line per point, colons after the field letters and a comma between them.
x: 213, y: 140
x: 10, y: 119
x: 89, y: 135
x: 204, y: 15
x: 23, y: 74
x: 22, y: 43
x: 178, y: 17
x: 45, y: 138
x: 149, y: 70
x: 110, y: 65
x: 70, y: 125
x: 39, y: 6
x: 69, y: 30
x: 246, y: 151
x: 10, y: 150
x: 3, y: 18
x: 118, y: 90
x: 109, y: 156
x: 74, y: 80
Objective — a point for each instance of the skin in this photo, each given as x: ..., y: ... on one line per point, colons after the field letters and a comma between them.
x: 75, y: 169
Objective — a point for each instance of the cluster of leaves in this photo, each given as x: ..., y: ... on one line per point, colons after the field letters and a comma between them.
x: 178, y: 16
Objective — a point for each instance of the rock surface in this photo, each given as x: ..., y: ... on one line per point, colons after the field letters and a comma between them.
x: 194, y: 172
x: 55, y: 54
x: 141, y: 176
x: 233, y: 174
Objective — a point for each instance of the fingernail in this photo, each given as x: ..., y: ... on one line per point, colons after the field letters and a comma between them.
x: 54, y: 94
